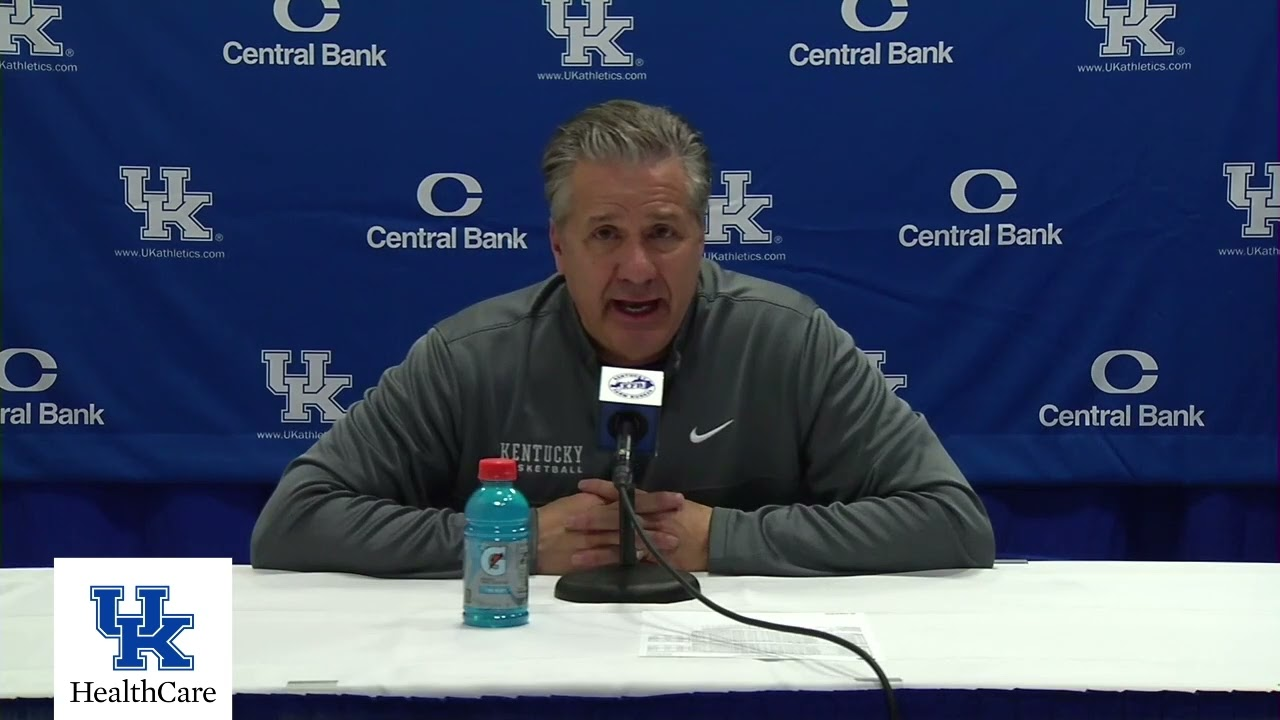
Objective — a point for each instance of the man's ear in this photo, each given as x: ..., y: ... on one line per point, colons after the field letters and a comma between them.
x: 557, y: 249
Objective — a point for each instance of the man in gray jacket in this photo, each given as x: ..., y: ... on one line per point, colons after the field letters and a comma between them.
x: 781, y: 448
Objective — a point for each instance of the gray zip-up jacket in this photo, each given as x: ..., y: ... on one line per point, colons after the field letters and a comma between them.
x: 815, y: 467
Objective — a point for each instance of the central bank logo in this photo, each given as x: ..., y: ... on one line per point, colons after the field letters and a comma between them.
x: 736, y: 211
x: 145, y: 636
x: 1122, y: 373
x: 45, y: 375
x: 1134, y: 24
x: 877, y: 358
x: 897, y: 16
x: 981, y: 192
x: 589, y: 38
x: 1146, y: 379
x: 24, y: 22
x: 443, y: 196
x: 311, y: 395
x: 32, y: 370
x: 471, y: 187
x: 1008, y: 194
x: 169, y: 211
x: 305, y: 18
x: 1259, y: 201
x: 331, y: 12
x: 872, y: 51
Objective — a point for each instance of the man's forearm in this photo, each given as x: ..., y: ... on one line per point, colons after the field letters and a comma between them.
x: 315, y: 525
x: 371, y: 496
x: 940, y: 527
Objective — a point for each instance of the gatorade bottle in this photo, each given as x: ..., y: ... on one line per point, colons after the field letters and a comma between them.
x: 496, y: 562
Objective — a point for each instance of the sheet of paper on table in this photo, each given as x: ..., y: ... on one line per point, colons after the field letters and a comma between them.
x: 706, y: 634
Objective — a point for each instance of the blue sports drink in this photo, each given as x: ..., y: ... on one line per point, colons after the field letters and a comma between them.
x: 495, y: 571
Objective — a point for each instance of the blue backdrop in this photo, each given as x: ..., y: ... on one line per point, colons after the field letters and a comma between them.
x: 1052, y: 223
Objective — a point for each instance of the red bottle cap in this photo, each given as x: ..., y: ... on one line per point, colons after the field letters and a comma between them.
x: 497, y: 469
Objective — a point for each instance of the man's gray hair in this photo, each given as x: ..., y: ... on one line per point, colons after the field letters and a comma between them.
x: 629, y: 131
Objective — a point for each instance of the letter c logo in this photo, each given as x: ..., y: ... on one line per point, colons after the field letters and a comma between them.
x: 849, y: 11
x: 428, y: 202
x: 47, y: 363
x: 1149, y: 367
x: 327, y: 23
x: 960, y: 187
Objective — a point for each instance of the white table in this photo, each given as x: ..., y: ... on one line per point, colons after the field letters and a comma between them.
x: 1053, y: 626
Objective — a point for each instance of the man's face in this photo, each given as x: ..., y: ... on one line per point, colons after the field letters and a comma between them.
x: 630, y: 250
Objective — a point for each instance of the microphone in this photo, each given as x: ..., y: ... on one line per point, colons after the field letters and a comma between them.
x: 630, y: 400
x: 633, y: 398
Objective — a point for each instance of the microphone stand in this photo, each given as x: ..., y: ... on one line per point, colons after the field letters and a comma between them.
x: 630, y: 581
x: 624, y: 482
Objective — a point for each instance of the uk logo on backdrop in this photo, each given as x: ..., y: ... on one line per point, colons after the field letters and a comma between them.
x: 877, y: 358
x: 26, y: 24
x: 594, y: 41
x: 446, y: 198
x: 978, y: 195
x: 1117, y: 375
x: 30, y: 40
x: 736, y: 215
x: 872, y: 24
x: 309, y: 396
x: 1134, y: 36
x: 1253, y: 189
x: 142, y: 638
x: 170, y: 210
x: 306, y: 22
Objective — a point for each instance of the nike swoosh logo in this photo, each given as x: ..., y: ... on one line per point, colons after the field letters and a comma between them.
x: 695, y: 438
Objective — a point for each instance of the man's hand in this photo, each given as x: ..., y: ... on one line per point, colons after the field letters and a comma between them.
x: 682, y: 534
x: 575, y: 532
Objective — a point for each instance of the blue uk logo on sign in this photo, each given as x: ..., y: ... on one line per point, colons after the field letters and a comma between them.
x: 152, y: 631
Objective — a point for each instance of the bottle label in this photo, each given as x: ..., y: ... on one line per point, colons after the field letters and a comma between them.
x: 497, y: 576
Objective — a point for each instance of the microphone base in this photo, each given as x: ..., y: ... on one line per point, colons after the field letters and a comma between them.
x: 641, y: 583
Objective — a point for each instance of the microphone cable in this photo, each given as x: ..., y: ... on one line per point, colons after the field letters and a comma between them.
x: 885, y: 685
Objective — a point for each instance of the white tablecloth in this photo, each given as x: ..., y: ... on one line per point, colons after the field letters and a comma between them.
x: 1052, y: 626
